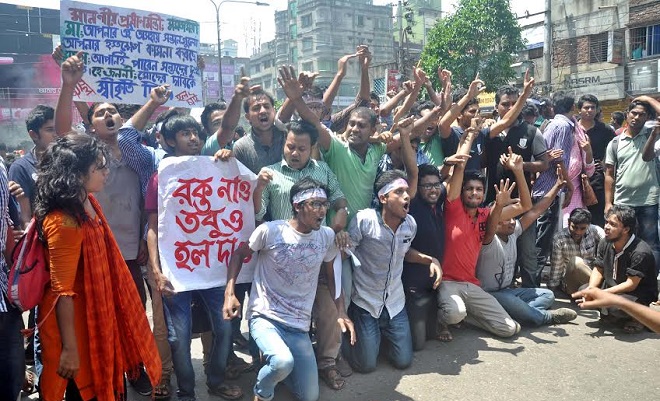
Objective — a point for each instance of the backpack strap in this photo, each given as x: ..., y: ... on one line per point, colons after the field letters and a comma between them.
x: 30, y: 330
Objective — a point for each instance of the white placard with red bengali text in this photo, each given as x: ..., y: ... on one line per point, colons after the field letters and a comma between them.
x: 205, y: 211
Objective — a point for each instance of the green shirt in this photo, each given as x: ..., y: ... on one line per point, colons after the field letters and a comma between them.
x: 275, y: 197
x: 356, y: 178
x: 635, y: 181
x: 433, y: 150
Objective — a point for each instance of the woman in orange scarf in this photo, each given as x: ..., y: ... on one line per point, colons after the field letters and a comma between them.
x: 97, y: 330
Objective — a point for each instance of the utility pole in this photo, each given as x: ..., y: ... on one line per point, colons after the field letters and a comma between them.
x: 547, y: 44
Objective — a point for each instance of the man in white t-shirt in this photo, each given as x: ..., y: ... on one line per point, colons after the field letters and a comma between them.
x: 497, y: 264
x: 289, y: 258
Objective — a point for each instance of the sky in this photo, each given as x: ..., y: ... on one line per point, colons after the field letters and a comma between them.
x: 248, y: 24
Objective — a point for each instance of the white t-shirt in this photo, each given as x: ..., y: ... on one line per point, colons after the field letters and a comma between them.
x: 287, y: 272
x: 497, y: 261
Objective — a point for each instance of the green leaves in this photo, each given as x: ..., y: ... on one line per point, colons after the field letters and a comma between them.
x: 481, y: 36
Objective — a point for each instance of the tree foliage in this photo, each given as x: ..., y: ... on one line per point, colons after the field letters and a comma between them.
x: 481, y: 36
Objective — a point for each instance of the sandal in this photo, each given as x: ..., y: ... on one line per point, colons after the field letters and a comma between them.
x: 227, y: 391
x: 28, y: 385
x: 633, y: 327
x: 332, y: 377
x: 162, y: 391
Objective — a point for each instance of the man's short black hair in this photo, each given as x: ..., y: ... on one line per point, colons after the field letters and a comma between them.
x: 458, y: 94
x: 580, y: 216
x: 505, y: 90
x: 304, y: 184
x: 529, y: 109
x: 588, y: 98
x: 563, y: 102
x: 619, y: 117
x: 314, y: 92
x: 257, y: 93
x: 626, y: 216
x: 416, y: 109
x: 302, y: 127
x: 426, y: 169
x: 368, y: 113
x: 650, y: 112
x: 474, y: 175
x: 126, y: 111
x: 206, y: 114
x: 38, y: 117
x: 178, y: 123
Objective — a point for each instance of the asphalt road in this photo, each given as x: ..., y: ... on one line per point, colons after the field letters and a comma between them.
x: 576, y: 361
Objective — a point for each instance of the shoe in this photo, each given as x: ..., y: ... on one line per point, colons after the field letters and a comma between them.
x: 563, y: 315
x: 343, y: 367
x: 240, y: 342
x: 142, y: 385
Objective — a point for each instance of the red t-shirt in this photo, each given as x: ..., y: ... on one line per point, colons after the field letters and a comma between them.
x: 463, y: 238
x: 151, y: 198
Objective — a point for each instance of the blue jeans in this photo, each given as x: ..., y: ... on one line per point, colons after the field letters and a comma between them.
x: 12, y: 363
x: 647, y: 229
x: 528, y: 306
x: 363, y: 355
x: 289, y: 357
x: 179, y: 336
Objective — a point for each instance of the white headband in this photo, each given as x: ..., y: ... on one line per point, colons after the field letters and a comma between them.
x: 308, y: 194
x: 398, y: 183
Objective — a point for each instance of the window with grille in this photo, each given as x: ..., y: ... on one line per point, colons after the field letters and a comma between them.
x: 644, y: 41
x: 598, y: 48
x: 307, y: 44
x: 535, y: 53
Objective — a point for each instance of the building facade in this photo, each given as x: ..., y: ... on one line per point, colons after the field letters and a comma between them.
x: 312, y: 35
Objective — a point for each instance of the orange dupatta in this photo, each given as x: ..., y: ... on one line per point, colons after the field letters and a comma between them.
x: 120, y: 338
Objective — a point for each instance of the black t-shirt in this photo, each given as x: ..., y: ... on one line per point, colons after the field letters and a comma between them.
x: 636, y: 260
x: 600, y: 136
x: 477, y: 152
x: 521, y: 139
x: 430, y: 240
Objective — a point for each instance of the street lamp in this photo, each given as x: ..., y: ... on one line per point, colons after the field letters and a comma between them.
x: 217, y: 5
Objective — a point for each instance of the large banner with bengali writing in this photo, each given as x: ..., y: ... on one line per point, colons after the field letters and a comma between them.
x: 128, y: 52
x: 205, y: 212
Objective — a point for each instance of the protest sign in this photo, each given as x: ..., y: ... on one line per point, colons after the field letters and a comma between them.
x: 205, y: 212
x: 129, y: 52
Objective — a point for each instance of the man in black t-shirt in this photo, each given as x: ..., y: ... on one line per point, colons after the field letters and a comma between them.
x: 624, y: 265
x: 599, y: 135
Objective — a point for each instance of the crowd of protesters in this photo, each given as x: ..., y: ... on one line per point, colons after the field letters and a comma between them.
x: 436, y: 216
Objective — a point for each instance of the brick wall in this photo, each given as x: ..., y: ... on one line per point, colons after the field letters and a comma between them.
x: 570, y: 51
x: 644, y: 12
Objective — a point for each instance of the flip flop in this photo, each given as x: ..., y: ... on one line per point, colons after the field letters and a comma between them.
x: 227, y: 391
x: 633, y: 327
x: 332, y: 377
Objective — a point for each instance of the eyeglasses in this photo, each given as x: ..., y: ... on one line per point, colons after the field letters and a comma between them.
x: 317, y: 205
x: 435, y: 185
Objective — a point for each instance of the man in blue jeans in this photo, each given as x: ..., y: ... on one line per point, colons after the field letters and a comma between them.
x: 381, y: 239
x: 183, y: 134
x: 497, y: 265
x: 290, y: 256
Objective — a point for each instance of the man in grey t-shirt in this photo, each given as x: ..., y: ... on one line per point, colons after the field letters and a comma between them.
x: 289, y: 258
x: 497, y: 263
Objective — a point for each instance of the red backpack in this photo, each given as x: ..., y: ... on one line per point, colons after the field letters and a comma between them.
x: 29, y: 272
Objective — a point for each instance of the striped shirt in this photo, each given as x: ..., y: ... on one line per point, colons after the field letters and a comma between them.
x: 275, y: 197
x: 140, y: 158
x: 558, y: 135
x: 565, y: 249
x: 4, y: 225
